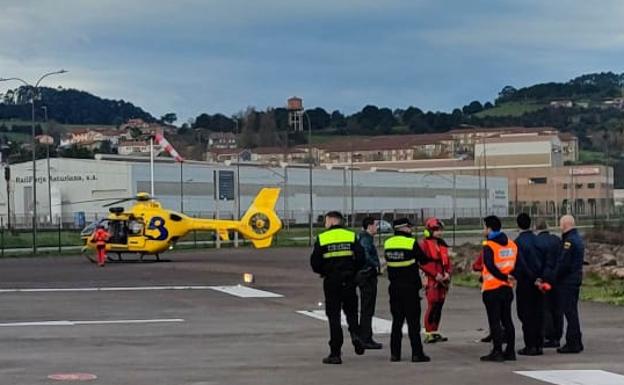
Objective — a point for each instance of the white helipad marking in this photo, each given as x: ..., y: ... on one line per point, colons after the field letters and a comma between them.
x: 245, y: 292
x: 72, y: 377
x: 127, y: 288
x: 106, y: 322
x: 380, y: 325
x: 575, y: 377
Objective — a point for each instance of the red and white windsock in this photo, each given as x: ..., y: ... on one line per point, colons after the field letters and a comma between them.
x: 164, y: 143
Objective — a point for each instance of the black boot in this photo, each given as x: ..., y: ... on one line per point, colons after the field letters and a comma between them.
x: 551, y: 344
x: 420, y: 357
x: 332, y: 360
x: 372, y: 345
x: 358, y: 345
x: 570, y: 349
x: 530, y: 352
x: 494, y: 356
x: 394, y: 358
x: 509, y: 355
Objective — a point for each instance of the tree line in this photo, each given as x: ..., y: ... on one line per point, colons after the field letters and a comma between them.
x: 68, y: 106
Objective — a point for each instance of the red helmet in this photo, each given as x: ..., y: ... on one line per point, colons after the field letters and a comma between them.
x: 433, y: 224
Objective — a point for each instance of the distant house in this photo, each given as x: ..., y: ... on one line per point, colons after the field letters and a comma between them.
x: 561, y: 104
x: 45, y: 139
x: 91, y: 137
x: 614, y: 103
x: 222, y: 140
x: 136, y: 147
x: 271, y: 155
x: 144, y: 127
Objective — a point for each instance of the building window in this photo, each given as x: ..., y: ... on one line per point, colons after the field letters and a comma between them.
x: 539, y: 180
x: 591, y: 185
x: 565, y: 186
x: 578, y: 185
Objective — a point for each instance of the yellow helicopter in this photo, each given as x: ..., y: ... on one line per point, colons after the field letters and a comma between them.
x: 147, y: 228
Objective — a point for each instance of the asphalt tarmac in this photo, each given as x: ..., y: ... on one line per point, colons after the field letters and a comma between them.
x: 205, y: 336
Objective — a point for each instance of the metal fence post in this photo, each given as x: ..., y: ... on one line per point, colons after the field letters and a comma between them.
x: 194, y: 237
x: 2, y: 235
x: 60, y: 226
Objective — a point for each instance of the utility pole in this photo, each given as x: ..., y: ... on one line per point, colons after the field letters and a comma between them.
x: 34, y: 90
x: 7, y: 178
x: 45, y: 110
x: 182, y: 187
x: 487, y: 192
x: 454, y: 205
x: 608, y: 172
x: 352, y: 192
x: 311, y: 164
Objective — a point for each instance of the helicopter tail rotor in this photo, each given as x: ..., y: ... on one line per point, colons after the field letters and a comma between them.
x: 260, y: 222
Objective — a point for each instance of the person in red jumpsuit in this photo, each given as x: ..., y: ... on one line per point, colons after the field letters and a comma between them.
x: 100, y: 237
x: 438, y: 274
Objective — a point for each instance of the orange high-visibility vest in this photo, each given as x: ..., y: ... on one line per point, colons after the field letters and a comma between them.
x: 505, y: 259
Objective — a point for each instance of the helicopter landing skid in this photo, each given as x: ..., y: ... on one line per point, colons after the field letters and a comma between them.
x: 119, y: 259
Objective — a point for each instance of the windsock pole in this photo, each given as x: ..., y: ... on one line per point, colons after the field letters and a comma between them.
x: 152, y: 165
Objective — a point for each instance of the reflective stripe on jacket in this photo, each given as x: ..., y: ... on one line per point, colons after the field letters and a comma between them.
x: 337, y: 243
x: 398, y: 251
x: 505, y: 260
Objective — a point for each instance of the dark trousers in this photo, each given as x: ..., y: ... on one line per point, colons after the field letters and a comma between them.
x: 568, y: 297
x: 367, y: 282
x: 530, y: 306
x: 340, y: 295
x: 405, y: 305
x: 553, y: 318
x: 498, y: 307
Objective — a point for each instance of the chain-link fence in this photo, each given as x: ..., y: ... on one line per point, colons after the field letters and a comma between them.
x: 63, y: 234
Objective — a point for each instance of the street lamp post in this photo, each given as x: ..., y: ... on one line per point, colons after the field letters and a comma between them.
x: 182, y: 187
x: 485, y: 172
x: 34, y: 147
x: 454, y: 182
x: 310, y: 162
x: 45, y: 116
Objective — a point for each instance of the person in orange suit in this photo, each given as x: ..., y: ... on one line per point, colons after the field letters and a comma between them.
x: 100, y: 237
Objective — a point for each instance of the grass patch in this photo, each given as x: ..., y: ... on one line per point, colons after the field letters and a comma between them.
x: 19, y: 137
x: 44, y: 239
x: 605, y: 290
x: 594, y: 289
x: 467, y: 280
x: 511, y: 109
x: 591, y: 157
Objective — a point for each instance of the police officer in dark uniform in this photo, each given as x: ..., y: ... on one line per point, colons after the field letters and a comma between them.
x: 337, y: 256
x: 550, y: 246
x: 530, y: 300
x: 367, y: 282
x: 569, y: 277
x: 403, y: 257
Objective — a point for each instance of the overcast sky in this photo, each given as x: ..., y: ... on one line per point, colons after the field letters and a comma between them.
x: 195, y: 56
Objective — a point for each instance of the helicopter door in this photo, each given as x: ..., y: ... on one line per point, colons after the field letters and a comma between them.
x: 118, y: 231
x: 135, y: 233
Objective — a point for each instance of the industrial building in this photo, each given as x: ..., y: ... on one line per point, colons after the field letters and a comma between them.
x: 190, y: 188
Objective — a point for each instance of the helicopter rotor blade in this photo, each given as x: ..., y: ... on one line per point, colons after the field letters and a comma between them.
x: 87, y: 201
x: 118, y: 202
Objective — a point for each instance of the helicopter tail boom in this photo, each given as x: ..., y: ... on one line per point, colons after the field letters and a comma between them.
x: 258, y: 225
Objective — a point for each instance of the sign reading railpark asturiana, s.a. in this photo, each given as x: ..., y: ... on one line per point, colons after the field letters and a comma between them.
x: 57, y: 179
